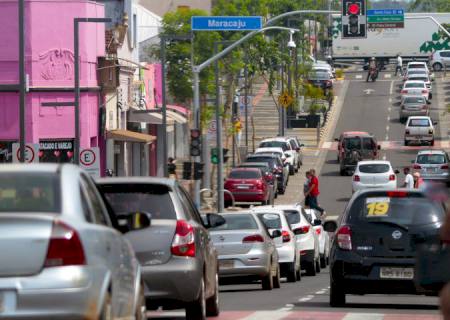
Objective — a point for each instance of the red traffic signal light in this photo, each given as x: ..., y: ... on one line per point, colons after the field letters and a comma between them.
x: 354, y: 8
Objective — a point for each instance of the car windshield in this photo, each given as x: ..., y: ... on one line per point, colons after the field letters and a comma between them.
x: 139, y: 197
x: 274, y: 144
x: 245, y: 174
x: 292, y: 216
x: 270, y: 220
x: 412, y: 100
x: 431, y: 159
x: 352, y: 143
x: 319, y: 75
x: 269, y: 160
x: 30, y: 192
x: 374, y: 168
x: 424, y: 79
x: 419, y: 123
x: 406, y: 210
x: 238, y: 222
x: 415, y: 85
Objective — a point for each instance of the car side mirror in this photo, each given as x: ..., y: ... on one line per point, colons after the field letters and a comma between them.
x: 435, y: 123
x: 330, y: 226
x: 134, y: 221
x: 317, y: 222
x: 214, y: 220
x: 336, y: 139
x: 275, y: 234
x: 378, y: 147
x: 302, y: 145
x: 398, y: 172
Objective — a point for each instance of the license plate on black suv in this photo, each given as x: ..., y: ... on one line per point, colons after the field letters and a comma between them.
x: 396, y: 273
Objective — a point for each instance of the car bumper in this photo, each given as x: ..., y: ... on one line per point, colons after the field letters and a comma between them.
x: 356, y: 186
x: 436, y: 177
x: 247, y: 196
x: 412, y: 113
x: 55, y: 293
x: 305, y: 242
x: 173, y: 283
x: 419, y: 138
x: 257, y: 264
x: 306, y: 256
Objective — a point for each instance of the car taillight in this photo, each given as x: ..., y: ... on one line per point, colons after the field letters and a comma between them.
x: 259, y: 185
x: 397, y: 194
x: 65, y: 247
x: 318, y: 231
x: 424, y: 107
x: 356, y: 178
x: 253, y: 238
x: 344, y: 238
x: 302, y: 230
x: 183, y: 243
x: 424, y: 91
x: 430, y: 131
x: 392, y: 177
x: 445, y: 166
x: 285, y: 236
x: 404, y: 91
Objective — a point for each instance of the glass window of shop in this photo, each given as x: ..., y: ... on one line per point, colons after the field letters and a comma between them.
x: 6, y: 151
x: 56, y: 151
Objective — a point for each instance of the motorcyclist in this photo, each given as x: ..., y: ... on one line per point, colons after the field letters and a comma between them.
x: 372, y: 68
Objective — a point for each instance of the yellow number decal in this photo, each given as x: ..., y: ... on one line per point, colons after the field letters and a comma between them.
x: 376, y: 209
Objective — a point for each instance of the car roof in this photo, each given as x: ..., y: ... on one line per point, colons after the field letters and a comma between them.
x: 416, y: 62
x: 281, y: 139
x: 355, y: 133
x: 414, y: 81
x: 32, y: 168
x: 374, y: 162
x: 269, y: 155
x: 138, y: 180
x: 267, y: 209
x: 430, y: 151
x: 419, y: 117
x: 281, y: 207
x: 246, y: 169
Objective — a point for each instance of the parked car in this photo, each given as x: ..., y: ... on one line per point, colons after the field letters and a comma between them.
x: 297, y: 146
x: 307, y: 240
x: 274, y: 150
x: 433, y: 165
x: 178, y: 259
x: 280, y: 170
x: 414, y: 72
x: 61, y: 256
x: 321, y: 80
x: 290, y: 152
x: 416, y: 88
x: 267, y: 173
x: 355, y: 146
x: 376, y: 242
x: 439, y: 59
x: 247, y: 250
x: 418, y: 65
x: 421, y: 77
x: 324, y: 238
x: 374, y: 174
x: 288, y: 252
x: 419, y: 129
x: 247, y: 185
x: 413, y: 106
x: 323, y: 68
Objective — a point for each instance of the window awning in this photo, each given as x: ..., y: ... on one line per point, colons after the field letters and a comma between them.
x: 147, y: 116
x: 130, y: 136
x: 176, y: 117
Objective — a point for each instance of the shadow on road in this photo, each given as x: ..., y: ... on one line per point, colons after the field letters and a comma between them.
x: 371, y: 306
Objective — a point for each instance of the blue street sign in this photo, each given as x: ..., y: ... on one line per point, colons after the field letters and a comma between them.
x: 226, y: 23
x: 385, y: 12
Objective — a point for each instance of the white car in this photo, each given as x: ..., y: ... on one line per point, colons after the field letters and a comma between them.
x: 288, y: 251
x: 419, y: 129
x: 290, y: 153
x: 324, y: 238
x: 278, y: 151
x: 418, y: 65
x: 306, y: 237
x: 416, y: 88
x: 374, y: 174
x: 439, y: 59
x: 421, y: 77
x: 323, y: 68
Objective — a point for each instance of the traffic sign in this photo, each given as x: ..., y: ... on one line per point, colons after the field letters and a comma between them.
x: 285, y: 99
x: 90, y: 161
x: 31, y: 153
x: 226, y: 23
x: 386, y: 18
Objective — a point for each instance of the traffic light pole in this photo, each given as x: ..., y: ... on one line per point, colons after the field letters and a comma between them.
x: 220, y: 186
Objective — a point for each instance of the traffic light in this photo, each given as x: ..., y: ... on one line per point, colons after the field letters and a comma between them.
x: 225, y: 156
x: 354, y: 20
x: 196, y: 143
x: 198, y: 170
x: 214, y: 155
x: 187, y: 170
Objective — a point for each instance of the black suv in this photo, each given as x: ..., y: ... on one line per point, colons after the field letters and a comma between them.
x: 377, y: 240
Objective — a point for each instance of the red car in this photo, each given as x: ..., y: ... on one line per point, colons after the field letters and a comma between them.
x: 247, y: 185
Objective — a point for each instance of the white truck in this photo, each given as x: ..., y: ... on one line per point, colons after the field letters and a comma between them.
x: 417, y: 40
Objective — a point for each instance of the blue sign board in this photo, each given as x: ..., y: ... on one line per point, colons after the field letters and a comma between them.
x: 226, y: 23
x: 386, y: 12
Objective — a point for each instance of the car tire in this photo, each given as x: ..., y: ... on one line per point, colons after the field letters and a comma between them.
x: 432, y: 143
x: 292, y: 272
x: 299, y: 274
x: 141, y: 310
x: 317, y: 265
x: 323, y: 261
x: 212, y: 303
x: 107, y: 313
x: 291, y: 170
x: 267, y: 282
x: 196, y: 310
x: 406, y: 143
x: 227, y: 203
x: 342, y: 172
x: 277, y: 279
x: 311, y: 269
x: 337, y: 296
x: 437, y: 66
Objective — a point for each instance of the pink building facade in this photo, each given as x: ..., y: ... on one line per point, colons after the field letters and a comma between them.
x: 49, y: 54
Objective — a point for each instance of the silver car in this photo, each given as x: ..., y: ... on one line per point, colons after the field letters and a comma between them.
x: 178, y: 258
x: 413, y: 106
x: 432, y: 165
x: 246, y: 249
x: 61, y: 257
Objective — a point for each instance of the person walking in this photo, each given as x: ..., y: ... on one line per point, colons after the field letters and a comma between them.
x: 306, y: 188
x: 399, y: 65
x: 172, y: 168
x: 409, y: 179
x: 314, y: 192
x: 418, y: 181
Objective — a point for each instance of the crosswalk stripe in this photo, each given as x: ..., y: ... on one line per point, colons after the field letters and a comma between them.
x: 365, y: 316
x: 267, y: 315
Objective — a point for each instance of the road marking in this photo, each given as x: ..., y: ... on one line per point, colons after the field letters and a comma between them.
x: 391, y: 90
x: 387, y: 128
x: 384, y: 157
x: 388, y: 76
x: 321, y: 291
x: 390, y: 100
x: 389, y: 109
x: 327, y: 145
x: 369, y: 91
x: 267, y: 315
x: 358, y: 76
x: 307, y: 298
x: 316, y: 153
x: 365, y: 316
x: 388, y: 119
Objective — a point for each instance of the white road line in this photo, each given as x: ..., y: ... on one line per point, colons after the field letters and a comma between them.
x: 390, y: 100
x: 387, y: 76
x: 316, y: 153
x: 326, y: 145
x: 389, y: 118
x: 358, y: 76
x: 384, y: 158
x: 387, y: 128
x: 365, y: 316
x: 268, y: 315
x: 386, y: 138
x: 391, y: 90
x: 389, y: 109
x: 307, y: 298
x: 321, y: 292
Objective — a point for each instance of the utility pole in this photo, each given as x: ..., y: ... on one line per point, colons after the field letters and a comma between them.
x: 22, y: 80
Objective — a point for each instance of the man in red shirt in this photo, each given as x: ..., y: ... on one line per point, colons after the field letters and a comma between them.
x: 314, y: 192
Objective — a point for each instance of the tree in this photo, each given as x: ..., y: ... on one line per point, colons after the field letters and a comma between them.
x: 431, y: 5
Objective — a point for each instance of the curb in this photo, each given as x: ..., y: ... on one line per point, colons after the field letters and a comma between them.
x: 326, y: 128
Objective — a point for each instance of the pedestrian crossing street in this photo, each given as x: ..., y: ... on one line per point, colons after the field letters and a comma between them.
x: 394, y: 145
x: 300, y: 315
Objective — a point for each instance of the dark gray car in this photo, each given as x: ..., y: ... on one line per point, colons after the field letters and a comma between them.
x: 178, y: 258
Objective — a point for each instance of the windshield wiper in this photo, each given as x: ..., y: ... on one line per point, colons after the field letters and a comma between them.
x: 391, y: 223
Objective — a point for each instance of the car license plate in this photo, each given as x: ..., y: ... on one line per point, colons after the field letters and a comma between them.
x: 226, y: 264
x: 397, y: 273
x: 243, y: 187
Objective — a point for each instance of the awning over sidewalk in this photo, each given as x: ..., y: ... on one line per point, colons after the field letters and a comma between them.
x: 176, y: 117
x: 147, y: 116
x: 130, y: 136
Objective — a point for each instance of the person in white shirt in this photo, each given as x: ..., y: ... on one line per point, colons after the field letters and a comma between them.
x: 409, y: 179
x: 399, y: 65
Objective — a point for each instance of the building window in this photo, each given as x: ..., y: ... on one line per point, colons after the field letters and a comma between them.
x: 6, y: 151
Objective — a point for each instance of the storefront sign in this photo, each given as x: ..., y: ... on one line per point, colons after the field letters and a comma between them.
x: 90, y: 161
x: 56, y: 145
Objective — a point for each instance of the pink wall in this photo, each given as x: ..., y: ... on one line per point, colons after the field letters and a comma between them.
x: 149, y: 82
x: 158, y: 84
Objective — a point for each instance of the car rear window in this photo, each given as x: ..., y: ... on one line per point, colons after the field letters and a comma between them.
x: 408, y: 210
x: 274, y: 144
x: 415, y: 85
x: 292, y: 216
x: 419, y: 123
x: 238, y: 222
x: 431, y: 159
x: 374, y: 168
x: 270, y: 220
x: 269, y: 160
x: 30, y: 192
x: 415, y: 100
x: 352, y: 143
x: 245, y: 174
x: 139, y: 197
x: 424, y: 79
x: 416, y: 66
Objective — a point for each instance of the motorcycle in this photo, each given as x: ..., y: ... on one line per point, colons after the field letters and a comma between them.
x: 373, y: 74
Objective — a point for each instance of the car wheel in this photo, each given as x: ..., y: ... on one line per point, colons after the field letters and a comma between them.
x: 337, y: 296
x: 292, y: 272
x: 140, y: 307
x: 342, y: 172
x: 196, y: 310
x: 212, y: 303
x: 107, y: 313
x: 437, y: 66
x: 406, y: 143
x: 317, y: 265
x: 432, y: 143
x: 291, y: 170
x: 227, y: 203
x: 267, y: 282
x: 299, y: 274
x: 277, y: 279
x: 311, y: 269
x: 323, y: 261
